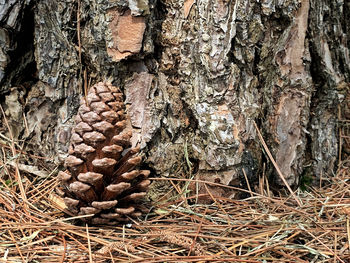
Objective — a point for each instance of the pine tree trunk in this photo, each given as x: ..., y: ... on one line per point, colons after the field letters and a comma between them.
x: 196, y: 76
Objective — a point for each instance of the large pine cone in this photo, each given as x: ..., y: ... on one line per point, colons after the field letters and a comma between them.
x: 101, y: 178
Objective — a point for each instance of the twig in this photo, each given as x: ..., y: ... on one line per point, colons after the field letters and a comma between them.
x: 64, y: 249
x: 275, y: 164
x: 89, y: 243
x: 247, y: 181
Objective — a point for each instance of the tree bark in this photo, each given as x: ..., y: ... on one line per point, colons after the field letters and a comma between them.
x: 196, y: 76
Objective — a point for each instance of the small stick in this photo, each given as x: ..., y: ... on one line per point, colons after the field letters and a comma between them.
x: 64, y: 249
x: 246, y: 179
x: 261, y: 185
x: 25, y: 124
x: 85, y: 85
x: 267, y: 185
x: 275, y: 164
x: 89, y: 243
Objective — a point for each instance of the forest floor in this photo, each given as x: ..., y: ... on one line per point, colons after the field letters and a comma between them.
x: 261, y: 228
x: 312, y: 226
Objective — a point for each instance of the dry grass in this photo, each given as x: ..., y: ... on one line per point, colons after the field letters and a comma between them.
x: 261, y: 228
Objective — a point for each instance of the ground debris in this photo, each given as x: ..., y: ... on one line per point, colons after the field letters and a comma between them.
x: 262, y: 227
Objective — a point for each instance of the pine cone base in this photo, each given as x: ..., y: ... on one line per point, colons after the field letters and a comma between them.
x: 101, y: 178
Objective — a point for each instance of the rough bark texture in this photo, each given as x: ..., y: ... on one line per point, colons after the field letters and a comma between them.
x: 195, y: 75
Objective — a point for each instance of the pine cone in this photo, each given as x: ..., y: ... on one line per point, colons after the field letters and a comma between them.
x: 101, y: 176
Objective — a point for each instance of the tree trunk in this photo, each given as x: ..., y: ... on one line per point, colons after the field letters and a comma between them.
x: 196, y: 76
